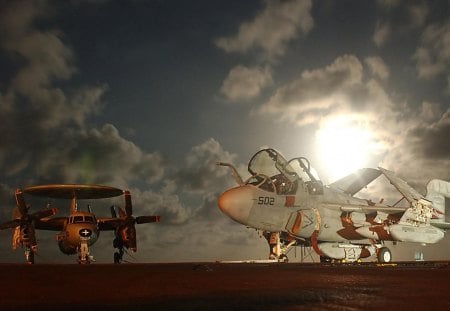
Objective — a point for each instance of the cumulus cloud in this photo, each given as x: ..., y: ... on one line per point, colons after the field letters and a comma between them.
x: 277, y: 24
x: 199, y: 171
x: 409, y: 136
x: 397, y: 19
x: 433, y: 55
x: 48, y: 137
x: 324, y: 91
x: 378, y: 67
x: 381, y: 33
x: 244, y: 83
x: 44, y: 126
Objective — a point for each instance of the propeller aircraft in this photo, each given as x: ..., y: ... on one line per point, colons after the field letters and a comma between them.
x: 80, y: 229
x: 291, y: 206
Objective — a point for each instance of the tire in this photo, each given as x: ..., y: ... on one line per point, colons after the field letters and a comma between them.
x: 384, y: 255
x: 324, y: 259
x: 30, y: 259
x: 116, y: 258
x: 283, y: 258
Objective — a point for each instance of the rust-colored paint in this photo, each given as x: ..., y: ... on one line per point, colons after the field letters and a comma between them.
x: 349, y: 233
x: 364, y: 253
x: 382, y: 233
x: 314, y: 243
x: 290, y: 200
x: 297, y: 224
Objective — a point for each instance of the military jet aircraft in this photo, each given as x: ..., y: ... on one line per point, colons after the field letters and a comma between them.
x: 290, y: 205
x: 80, y: 229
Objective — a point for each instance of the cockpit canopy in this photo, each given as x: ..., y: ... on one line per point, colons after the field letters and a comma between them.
x: 271, y: 172
x: 82, y: 219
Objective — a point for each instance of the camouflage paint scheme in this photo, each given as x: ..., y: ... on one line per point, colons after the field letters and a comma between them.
x: 290, y: 205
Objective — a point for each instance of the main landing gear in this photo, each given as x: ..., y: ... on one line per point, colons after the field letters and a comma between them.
x: 118, y: 256
x: 29, y: 255
x: 384, y: 255
x: 278, y: 247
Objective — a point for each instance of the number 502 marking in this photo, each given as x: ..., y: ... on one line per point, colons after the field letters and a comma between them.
x: 266, y: 200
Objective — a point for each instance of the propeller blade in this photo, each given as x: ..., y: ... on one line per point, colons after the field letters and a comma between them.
x: 10, y: 224
x: 44, y: 213
x: 20, y: 202
x: 147, y: 219
x: 113, y: 211
x: 128, y: 204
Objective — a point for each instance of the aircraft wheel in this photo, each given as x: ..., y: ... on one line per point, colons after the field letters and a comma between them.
x: 30, y: 258
x: 116, y: 243
x: 116, y: 258
x: 384, y: 255
x: 283, y: 258
x: 324, y: 259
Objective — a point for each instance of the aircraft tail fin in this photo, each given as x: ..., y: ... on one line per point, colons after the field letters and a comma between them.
x: 438, y: 192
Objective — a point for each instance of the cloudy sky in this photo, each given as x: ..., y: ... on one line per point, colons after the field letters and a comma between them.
x: 148, y: 95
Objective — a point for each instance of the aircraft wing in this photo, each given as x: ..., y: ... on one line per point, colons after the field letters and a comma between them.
x: 51, y: 224
x: 402, y: 186
x: 365, y: 208
x: 108, y: 224
x: 353, y: 183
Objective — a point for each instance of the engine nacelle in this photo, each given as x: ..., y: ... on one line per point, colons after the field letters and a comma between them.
x: 128, y: 237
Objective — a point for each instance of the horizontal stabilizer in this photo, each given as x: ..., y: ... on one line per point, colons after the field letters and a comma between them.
x: 353, y: 183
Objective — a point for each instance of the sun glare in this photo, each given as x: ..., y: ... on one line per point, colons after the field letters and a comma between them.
x: 344, y: 146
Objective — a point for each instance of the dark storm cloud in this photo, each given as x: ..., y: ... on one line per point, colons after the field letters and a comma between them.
x: 199, y: 171
x: 432, y: 141
x: 433, y: 54
x: 44, y: 125
x: 398, y: 18
x: 49, y: 138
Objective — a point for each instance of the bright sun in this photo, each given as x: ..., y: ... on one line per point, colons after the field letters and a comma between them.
x: 344, y: 146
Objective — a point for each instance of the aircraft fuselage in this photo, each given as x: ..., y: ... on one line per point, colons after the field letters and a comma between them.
x: 80, y: 227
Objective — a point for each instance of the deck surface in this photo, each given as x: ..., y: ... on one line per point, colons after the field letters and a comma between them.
x: 220, y: 286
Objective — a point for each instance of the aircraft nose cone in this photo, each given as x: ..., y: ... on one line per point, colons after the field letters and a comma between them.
x: 237, y: 203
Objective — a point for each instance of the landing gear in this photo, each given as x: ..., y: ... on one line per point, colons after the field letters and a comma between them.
x: 83, y: 252
x: 118, y: 256
x: 278, y: 247
x: 384, y: 255
x: 324, y: 259
x: 29, y: 255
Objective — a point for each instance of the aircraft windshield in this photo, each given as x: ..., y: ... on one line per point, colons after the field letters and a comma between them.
x: 303, y: 169
x: 270, y: 163
x: 271, y: 172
